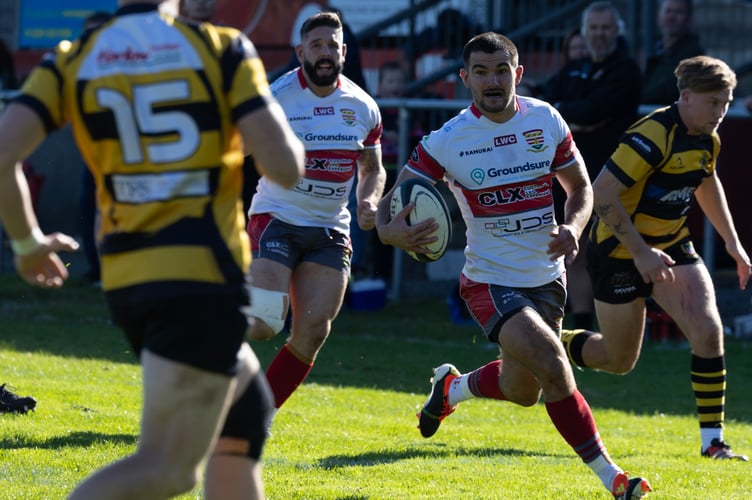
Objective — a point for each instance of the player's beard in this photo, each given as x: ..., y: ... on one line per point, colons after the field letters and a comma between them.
x: 323, y: 80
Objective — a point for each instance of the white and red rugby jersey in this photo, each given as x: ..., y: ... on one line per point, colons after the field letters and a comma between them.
x: 334, y: 129
x: 501, y: 175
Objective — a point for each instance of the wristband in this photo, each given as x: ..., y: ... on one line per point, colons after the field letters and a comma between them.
x: 28, y: 245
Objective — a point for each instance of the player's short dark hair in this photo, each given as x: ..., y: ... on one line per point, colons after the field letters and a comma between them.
x: 489, y: 43
x: 704, y: 74
x: 330, y: 19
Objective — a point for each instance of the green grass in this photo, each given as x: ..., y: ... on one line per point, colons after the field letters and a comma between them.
x: 349, y: 431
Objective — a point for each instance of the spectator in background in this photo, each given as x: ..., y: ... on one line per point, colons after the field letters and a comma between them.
x: 598, y: 96
x: 574, y: 46
x: 453, y: 27
x: 392, y: 82
x: 393, y: 78
x: 8, y: 78
x: 677, y: 42
x: 573, y: 49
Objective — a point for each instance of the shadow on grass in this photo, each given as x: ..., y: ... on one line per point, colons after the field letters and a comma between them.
x: 72, y: 321
x: 74, y: 439
x: 393, y: 349
x: 386, y: 456
x: 86, y: 339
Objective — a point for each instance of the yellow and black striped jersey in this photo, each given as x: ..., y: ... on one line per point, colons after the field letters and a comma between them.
x: 661, y: 165
x: 153, y: 102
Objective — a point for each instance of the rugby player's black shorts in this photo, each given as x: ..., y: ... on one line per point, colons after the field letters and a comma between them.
x: 617, y: 281
x: 203, y: 331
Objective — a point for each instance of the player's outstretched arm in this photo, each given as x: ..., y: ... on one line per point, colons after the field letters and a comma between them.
x: 395, y: 231
x: 652, y: 263
x: 577, y: 211
x: 711, y: 197
x: 279, y: 155
x: 371, y: 180
x: 579, y: 204
x: 36, y: 259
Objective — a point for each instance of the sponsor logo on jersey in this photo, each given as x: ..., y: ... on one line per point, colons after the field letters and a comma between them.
x: 330, y: 164
x: 478, y: 175
x: 348, y: 116
x: 157, y: 187
x: 526, y: 167
x: 516, y: 225
x: 127, y: 56
x: 299, y: 118
x: 319, y: 190
x: 535, y: 140
x: 323, y: 111
x: 640, y: 143
x: 513, y: 194
x: 330, y: 137
x: 470, y: 152
x: 316, y: 163
x: 505, y: 140
x: 683, y: 195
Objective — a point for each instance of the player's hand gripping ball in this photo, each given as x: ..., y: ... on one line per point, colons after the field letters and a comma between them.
x: 429, y: 203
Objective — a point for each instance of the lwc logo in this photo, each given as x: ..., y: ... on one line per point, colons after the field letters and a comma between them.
x: 505, y: 140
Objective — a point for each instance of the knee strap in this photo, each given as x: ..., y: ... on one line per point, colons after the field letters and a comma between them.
x: 269, y: 306
x: 248, y: 420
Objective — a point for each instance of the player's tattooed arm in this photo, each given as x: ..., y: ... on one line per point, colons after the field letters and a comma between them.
x: 607, y: 191
x: 605, y: 212
x: 370, y: 188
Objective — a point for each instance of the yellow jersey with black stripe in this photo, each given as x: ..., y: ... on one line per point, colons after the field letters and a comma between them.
x: 153, y: 102
x: 661, y: 165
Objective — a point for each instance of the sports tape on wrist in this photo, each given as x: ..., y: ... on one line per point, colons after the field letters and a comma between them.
x: 28, y: 245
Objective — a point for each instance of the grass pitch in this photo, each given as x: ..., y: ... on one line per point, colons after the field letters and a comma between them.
x: 350, y: 431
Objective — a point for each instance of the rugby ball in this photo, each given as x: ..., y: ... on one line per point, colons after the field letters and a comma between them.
x: 429, y: 203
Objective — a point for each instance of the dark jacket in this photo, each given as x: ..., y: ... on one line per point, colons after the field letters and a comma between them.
x: 659, y: 82
x: 598, y: 101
